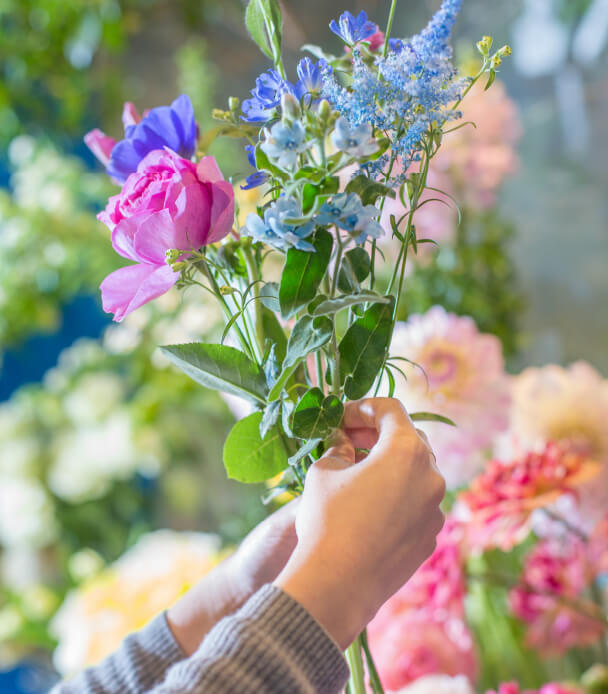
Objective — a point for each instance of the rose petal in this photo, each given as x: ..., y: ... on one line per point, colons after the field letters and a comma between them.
x: 154, y: 236
x: 130, y: 287
x: 222, y: 211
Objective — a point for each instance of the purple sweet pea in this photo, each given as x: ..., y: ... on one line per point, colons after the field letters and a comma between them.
x: 166, y: 126
x: 353, y: 29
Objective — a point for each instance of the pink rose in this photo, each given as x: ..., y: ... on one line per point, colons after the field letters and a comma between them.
x: 168, y: 203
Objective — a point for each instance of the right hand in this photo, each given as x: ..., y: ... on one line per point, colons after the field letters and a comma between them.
x: 364, y: 525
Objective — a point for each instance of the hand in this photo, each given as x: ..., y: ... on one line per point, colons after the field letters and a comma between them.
x: 259, y: 559
x: 363, y: 529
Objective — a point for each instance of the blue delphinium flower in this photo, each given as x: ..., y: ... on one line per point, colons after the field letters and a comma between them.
x: 396, y: 45
x: 406, y: 92
x: 266, y: 97
x: 348, y: 212
x: 258, y: 178
x: 310, y: 82
x: 284, y: 142
x: 166, y: 126
x: 358, y: 141
x: 352, y: 29
x: 274, y: 228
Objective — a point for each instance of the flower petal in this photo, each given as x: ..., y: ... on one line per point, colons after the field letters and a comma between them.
x: 130, y: 287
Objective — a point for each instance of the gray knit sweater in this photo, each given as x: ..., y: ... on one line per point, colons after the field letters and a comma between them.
x: 272, y: 645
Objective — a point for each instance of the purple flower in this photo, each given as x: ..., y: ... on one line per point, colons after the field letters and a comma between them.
x: 166, y: 126
x: 352, y: 29
x: 258, y: 178
x: 266, y: 97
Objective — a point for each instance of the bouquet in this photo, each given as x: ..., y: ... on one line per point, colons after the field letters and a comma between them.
x: 329, y: 150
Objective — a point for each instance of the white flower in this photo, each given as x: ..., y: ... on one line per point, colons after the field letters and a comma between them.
x: 439, y: 684
x: 95, y: 396
x: 26, y: 513
x: 89, y: 459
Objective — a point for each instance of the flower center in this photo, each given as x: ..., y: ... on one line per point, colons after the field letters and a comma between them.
x: 351, y: 142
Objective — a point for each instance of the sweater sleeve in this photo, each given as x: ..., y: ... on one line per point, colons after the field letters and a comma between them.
x: 272, y: 645
x: 137, y: 666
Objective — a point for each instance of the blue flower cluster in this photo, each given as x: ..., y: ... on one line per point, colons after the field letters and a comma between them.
x: 270, y: 87
x: 406, y: 91
x: 345, y: 210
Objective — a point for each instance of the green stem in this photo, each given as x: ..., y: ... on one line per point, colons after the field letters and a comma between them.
x: 374, y: 678
x: 204, y: 268
x: 254, y: 277
x: 389, y: 26
x: 355, y: 663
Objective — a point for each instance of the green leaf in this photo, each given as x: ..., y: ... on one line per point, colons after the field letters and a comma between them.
x: 316, y: 416
x: 369, y: 191
x: 250, y: 458
x: 354, y: 269
x: 270, y: 417
x: 305, y: 450
x: 220, y: 368
x: 363, y: 349
x: 490, y: 80
x: 274, y: 332
x: 430, y: 417
x: 303, y: 273
x: 269, y: 296
x: 264, y: 22
x: 341, y: 302
x: 308, y: 335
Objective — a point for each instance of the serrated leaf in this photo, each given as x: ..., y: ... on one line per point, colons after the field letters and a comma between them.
x: 264, y: 23
x: 431, y: 417
x: 220, y: 368
x: 316, y: 416
x: 250, y: 458
x: 363, y: 349
x: 303, y: 273
x: 341, y: 302
x: 308, y: 335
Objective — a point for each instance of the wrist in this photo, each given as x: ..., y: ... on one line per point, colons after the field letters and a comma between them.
x: 193, y: 616
x: 329, y: 597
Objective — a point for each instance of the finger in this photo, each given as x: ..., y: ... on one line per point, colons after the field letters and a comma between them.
x: 386, y: 415
x: 362, y: 438
x: 340, y: 447
x: 425, y: 438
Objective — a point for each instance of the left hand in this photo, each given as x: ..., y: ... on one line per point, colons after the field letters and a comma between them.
x: 259, y: 560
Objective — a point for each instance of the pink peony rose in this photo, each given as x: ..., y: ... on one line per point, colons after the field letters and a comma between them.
x: 551, y: 688
x: 168, y: 203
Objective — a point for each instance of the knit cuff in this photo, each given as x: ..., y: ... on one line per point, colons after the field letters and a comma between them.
x: 157, y: 647
x: 308, y: 645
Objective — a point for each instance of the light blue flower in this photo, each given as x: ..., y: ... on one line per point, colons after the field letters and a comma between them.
x: 347, y: 212
x: 352, y: 29
x: 266, y: 97
x: 275, y: 230
x: 284, y: 142
x: 310, y: 77
x: 358, y: 141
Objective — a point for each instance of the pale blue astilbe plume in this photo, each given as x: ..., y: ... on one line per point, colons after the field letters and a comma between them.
x: 405, y: 92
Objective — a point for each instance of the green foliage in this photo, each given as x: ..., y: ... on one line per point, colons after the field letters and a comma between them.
x: 354, y: 269
x: 316, y: 416
x: 250, y: 458
x: 265, y: 24
x: 363, y: 349
x: 220, y: 368
x: 368, y: 190
x: 329, y: 306
x: 303, y: 273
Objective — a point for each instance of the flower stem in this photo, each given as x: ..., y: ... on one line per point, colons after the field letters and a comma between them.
x: 374, y: 678
x: 389, y: 26
x: 355, y: 663
x: 254, y: 277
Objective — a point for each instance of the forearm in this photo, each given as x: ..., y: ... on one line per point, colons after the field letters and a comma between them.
x: 139, y: 665
x: 272, y: 645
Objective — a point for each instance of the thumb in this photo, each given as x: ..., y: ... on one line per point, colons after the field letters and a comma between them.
x: 340, y: 452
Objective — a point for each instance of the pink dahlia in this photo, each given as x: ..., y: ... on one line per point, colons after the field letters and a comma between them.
x: 571, y: 405
x: 413, y: 645
x: 459, y: 374
x: 550, y: 597
x: 499, y: 502
x: 421, y: 629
